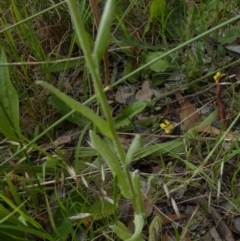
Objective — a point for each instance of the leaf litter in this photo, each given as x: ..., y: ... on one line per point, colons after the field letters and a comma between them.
x: 123, y: 93
x: 189, y: 117
x: 146, y: 93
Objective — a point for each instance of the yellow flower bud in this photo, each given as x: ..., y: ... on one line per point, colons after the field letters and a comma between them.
x: 167, y: 126
x: 218, y: 76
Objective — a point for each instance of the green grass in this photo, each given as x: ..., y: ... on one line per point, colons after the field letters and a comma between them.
x: 54, y: 87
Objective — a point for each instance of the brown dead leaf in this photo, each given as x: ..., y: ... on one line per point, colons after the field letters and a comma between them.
x: 164, y: 237
x: 237, y: 224
x: 221, y: 225
x: 174, y: 217
x: 215, y: 234
x: 124, y: 140
x: 59, y: 141
x: 146, y: 93
x: 187, y: 237
x: 65, y: 138
x: 188, y: 114
x: 148, y: 207
x: 123, y: 93
x: 214, y: 131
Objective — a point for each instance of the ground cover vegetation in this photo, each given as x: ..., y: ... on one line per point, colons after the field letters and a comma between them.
x: 119, y: 120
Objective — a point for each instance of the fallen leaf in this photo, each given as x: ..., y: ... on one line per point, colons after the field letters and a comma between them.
x: 59, y: 141
x: 123, y: 93
x: 221, y: 225
x: 146, y: 93
x: 174, y: 81
x: 164, y: 237
x: 215, y: 234
x: 147, y: 207
x: 174, y: 217
x: 233, y: 48
x: 188, y: 114
x: 214, y: 131
x: 187, y: 237
x: 65, y: 138
x: 237, y: 224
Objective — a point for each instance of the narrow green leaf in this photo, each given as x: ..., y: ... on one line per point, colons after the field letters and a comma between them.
x: 134, y: 147
x: 9, y: 103
x: 112, y: 163
x: 18, y: 210
x: 103, y: 36
x: 75, y: 105
x: 99, y: 210
x: 125, y: 116
x: 138, y: 193
x: 51, y: 219
x: 11, y: 235
x: 87, y: 36
x: 64, y: 64
x: 22, y: 220
x: 14, y: 193
x: 81, y: 33
x: 158, y: 149
x: 40, y: 233
x: 155, y: 229
x: 64, y: 109
x: 6, y: 216
x: 121, y: 230
x: 139, y: 223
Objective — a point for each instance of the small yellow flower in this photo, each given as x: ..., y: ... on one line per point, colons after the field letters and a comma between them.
x: 218, y: 76
x: 167, y: 126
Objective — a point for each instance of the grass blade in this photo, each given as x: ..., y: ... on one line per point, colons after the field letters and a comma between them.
x: 112, y: 162
x: 75, y: 105
x: 104, y: 30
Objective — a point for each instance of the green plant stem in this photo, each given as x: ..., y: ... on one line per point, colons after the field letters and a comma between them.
x: 93, y: 64
x: 94, y: 70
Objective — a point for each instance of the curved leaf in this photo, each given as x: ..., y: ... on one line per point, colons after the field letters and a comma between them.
x: 75, y: 105
x: 112, y: 162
